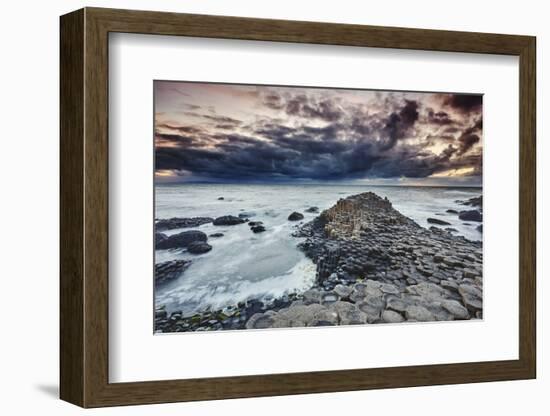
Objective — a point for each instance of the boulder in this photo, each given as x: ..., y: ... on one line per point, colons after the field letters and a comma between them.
x: 312, y: 210
x: 198, y: 247
x: 295, y: 216
x: 438, y: 222
x: 228, y: 220
x: 182, y: 240
x: 258, y: 229
x: 452, y: 211
x: 159, y: 237
x: 470, y: 215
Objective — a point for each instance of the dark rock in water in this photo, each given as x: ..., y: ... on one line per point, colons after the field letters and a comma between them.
x: 438, y: 222
x: 221, y: 198
x: 452, y: 211
x: 295, y: 216
x: 312, y: 209
x: 182, y: 240
x: 473, y: 202
x: 480, y: 228
x: 173, y: 223
x: 159, y: 237
x: 245, y: 215
x: 216, y: 235
x: 255, y: 223
x: 228, y: 220
x: 258, y: 229
x: 169, y: 270
x: 471, y: 215
x: 199, y: 247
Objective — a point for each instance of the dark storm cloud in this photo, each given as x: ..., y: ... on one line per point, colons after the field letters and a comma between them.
x: 298, y: 136
x: 303, y: 106
x: 463, y: 102
x: 440, y: 117
x: 469, y: 137
x: 399, y: 124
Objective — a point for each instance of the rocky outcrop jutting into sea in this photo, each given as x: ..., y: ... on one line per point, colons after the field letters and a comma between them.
x: 374, y: 265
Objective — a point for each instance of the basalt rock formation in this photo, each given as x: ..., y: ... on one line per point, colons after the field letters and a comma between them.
x: 374, y: 265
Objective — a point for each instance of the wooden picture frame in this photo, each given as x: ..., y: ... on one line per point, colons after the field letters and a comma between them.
x: 84, y: 207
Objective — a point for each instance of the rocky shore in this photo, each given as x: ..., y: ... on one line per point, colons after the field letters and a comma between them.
x: 374, y: 265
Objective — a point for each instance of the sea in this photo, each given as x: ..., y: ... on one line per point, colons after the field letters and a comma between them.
x: 243, y: 265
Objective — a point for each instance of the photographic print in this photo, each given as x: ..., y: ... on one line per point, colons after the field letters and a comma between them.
x: 290, y: 206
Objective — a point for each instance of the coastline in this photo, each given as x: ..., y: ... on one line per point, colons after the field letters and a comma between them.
x: 374, y: 265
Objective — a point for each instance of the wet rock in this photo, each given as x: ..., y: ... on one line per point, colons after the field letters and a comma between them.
x: 245, y: 215
x: 254, y: 223
x: 228, y: 220
x: 182, y: 240
x: 170, y: 270
x: 438, y: 221
x: 471, y: 215
x: 452, y: 211
x: 474, y: 202
x: 480, y: 228
x: 295, y: 216
x: 199, y: 247
x: 216, y: 235
x: 160, y: 313
x: 258, y: 229
x: 312, y: 210
x: 173, y: 223
x: 159, y: 237
x: 221, y: 198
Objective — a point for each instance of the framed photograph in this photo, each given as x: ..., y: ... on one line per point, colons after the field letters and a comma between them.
x: 257, y: 207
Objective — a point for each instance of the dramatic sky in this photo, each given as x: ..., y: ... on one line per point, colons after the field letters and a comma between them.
x: 208, y: 132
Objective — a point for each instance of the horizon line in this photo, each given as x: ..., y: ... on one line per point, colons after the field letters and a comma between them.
x: 317, y: 184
